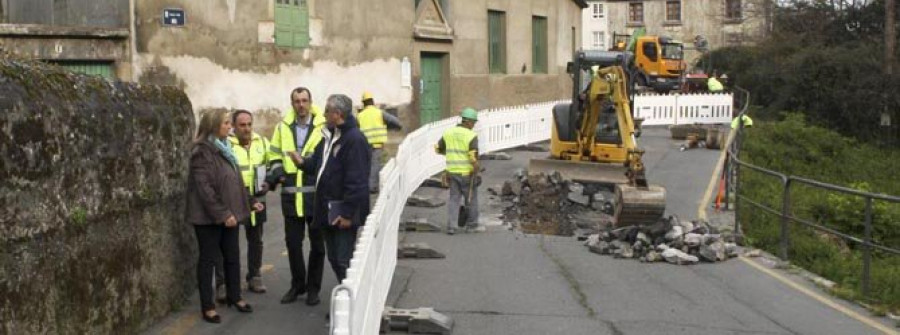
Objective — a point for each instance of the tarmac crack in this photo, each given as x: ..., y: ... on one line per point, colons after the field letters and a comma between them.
x: 570, y: 279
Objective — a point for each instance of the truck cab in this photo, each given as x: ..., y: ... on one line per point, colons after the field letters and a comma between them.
x: 661, y: 61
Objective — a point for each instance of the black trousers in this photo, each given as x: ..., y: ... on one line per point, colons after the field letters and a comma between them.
x: 302, y: 278
x: 218, y: 242
x: 340, y: 243
x: 254, y: 236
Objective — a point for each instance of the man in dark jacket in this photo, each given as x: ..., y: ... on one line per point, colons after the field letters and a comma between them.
x: 341, y: 162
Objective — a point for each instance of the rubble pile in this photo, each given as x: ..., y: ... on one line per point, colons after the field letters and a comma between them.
x: 669, y: 239
x: 548, y: 204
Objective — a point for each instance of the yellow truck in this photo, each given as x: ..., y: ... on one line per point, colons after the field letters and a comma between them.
x: 654, y: 61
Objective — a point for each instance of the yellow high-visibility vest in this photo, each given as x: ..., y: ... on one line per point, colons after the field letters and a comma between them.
x: 371, y: 123
x: 283, y: 142
x: 456, y: 144
x: 714, y: 85
x: 248, y: 160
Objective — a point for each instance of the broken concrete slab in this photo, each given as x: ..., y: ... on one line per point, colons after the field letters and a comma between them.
x: 693, y: 240
x: 416, y: 200
x: 418, y: 250
x: 424, y: 320
x: 712, y: 252
x: 433, y: 182
x: 419, y: 225
x: 678, y: 257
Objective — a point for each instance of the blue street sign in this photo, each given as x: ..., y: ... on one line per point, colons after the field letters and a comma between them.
x: 173, y: 17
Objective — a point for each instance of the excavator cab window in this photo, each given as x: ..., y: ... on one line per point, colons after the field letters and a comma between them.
x: 608, y: 125
x: 650, y: 50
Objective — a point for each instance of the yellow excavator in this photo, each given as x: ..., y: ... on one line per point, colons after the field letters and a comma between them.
x: 593, y: 138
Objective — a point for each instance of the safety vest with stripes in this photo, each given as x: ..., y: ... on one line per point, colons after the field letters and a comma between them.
x: 456, y: 145
x: 283, y: 142
x: 371, y: 123
x: 248, y: 160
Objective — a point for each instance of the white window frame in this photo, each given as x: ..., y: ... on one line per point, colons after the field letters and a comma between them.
x: 599, y: 40
x: 597, y: 10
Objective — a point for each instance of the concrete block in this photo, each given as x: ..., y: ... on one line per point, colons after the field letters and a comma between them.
x: 424, y: 320
x: 418, y: 250
x: 419, y: 225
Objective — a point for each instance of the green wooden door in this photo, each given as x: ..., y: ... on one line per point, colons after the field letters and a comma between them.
x: 95, y: 68
x: 431, y: 88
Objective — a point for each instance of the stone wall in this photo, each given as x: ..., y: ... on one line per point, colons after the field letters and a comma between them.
x: 92, y: 184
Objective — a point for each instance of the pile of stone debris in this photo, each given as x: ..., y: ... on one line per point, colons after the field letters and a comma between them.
x: 669, y: 239
x: 548, y: 204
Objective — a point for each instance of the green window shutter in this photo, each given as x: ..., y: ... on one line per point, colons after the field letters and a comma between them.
x: 291, y: 23
x: 539, y: 44
x: 497, y: 41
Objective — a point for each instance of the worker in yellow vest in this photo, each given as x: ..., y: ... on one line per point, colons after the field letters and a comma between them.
x: 459, y: 145
x: 714, y: 85
x: 742, y: 121
x: 294, y: 137
x: 251, y: 151
x: 374, y: 124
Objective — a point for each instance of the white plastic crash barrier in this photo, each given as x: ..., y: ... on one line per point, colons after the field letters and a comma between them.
x: 706, y: 108
x: 358, y: 302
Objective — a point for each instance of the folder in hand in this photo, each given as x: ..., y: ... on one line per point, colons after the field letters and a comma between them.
x: 335, y: 208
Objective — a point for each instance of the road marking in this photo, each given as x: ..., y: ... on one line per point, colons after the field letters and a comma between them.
x: 713, y: 180
x: 266, y: 268
x: 824, y: 300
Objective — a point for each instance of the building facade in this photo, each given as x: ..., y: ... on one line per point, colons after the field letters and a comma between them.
x: 595, y: 34
x: 89, y: 36
x: 721, y: 22
x: 423, y: 59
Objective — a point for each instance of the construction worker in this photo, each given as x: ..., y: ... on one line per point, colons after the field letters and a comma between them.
x: 460, y: 147
x: 295, y: 136
x: 251, y: 151
x: 714, y: 85
x: 745, y: 119
x: 374, y: 124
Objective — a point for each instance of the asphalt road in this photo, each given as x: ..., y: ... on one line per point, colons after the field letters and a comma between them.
x: 506, y: 282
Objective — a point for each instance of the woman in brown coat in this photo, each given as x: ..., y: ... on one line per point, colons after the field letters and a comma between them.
x: 216, y: 202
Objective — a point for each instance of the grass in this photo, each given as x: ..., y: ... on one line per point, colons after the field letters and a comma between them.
x: 794, y: 148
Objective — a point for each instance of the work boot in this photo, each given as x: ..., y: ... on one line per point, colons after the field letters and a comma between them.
x: 221, y: 293
x: 255, y: 285
x: 451, y: 231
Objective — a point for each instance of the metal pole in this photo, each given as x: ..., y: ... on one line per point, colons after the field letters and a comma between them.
x: 737, y: 183
x: 727, y: 179
x: 785, y: 210
x: 867, y: 248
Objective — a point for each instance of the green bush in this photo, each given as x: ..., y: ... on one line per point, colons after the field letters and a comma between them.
x: 793, y: 147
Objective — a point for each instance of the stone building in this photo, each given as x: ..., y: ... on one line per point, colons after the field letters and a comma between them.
x: 90, y: 36
x: 424, y: 59
x: 721, y: 22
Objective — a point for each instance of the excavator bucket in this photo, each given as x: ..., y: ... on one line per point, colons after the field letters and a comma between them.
x: 590, y: 172
x: 639, y: 205
x: 633, y: 205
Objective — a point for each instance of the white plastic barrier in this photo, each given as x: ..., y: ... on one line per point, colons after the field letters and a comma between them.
x: 358, y: 302
x: 672, y: 109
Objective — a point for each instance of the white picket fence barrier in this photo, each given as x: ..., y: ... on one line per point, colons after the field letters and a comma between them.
x: 358, y: 302
x: 705, y: 108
